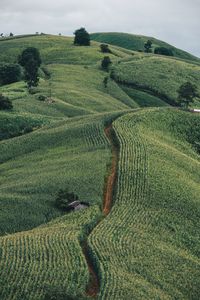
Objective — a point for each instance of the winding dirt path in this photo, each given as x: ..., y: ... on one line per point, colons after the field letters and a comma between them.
x: 94, y: 284
x: 110, y: 183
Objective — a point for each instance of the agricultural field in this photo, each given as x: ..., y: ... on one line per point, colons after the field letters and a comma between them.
x: 159, y: 75
x: 122, y: 143
x: 148, y: 246
x: 136, y: 43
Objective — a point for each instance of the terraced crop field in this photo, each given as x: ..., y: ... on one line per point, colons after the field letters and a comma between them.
x: 136, y: 43
x: 160, y: 75
x: 122, y: 149
x: 149, y: 241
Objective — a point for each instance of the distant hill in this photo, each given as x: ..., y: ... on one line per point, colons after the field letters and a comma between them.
x: 136, y: 43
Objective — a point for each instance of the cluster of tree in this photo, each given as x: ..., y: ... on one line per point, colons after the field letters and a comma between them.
x: 82, y: 37
x: 5, y: 102
x: 105, y: 49
x: 186, y: 94
x: 163, y: 51
x: 10, y: 73
x: 30, y: 60
x: 64, y: 197
x: 157, y: 50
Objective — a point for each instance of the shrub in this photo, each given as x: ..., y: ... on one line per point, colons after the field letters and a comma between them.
x: 104, y: 48
x: 5, y: 103
x: 9, y: 73
x: 106, y: 62
x: 64, y: 197
x: 163, y: 51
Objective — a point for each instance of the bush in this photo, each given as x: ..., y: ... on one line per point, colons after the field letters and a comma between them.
x: 64, y: 197
x: 9, y: 73
x: 163, y: 51
x: 104, y: 48
x: 106, y: 62
x: 5, y: 103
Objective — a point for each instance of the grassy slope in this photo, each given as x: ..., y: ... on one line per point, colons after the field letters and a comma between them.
x: 74, y: 153
x: 160, y: 75
x: 136, y: 42
x: 151, y: 232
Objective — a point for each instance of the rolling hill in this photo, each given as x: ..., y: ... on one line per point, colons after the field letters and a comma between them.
x: 136, y: 43
x: 124, y: 150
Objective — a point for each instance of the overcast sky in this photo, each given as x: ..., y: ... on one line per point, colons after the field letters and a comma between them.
x: 174, y: 21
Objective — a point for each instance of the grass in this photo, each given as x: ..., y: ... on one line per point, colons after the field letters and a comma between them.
x: 148, y: 247
x: 136, y: 42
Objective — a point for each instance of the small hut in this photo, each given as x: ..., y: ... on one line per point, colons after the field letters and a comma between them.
x: 77, y: 205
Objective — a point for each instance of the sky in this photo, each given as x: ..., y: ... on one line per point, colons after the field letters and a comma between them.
x: 174, y: 21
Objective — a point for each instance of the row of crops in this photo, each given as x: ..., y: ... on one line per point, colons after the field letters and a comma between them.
x: 147, y: 247
x: 49, y: 259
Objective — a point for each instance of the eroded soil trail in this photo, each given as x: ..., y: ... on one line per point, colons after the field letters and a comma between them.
x: 94, y: 283
x: 110, y: 183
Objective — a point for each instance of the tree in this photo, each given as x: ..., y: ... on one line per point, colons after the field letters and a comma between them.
x: 106, y: 62
x: 148, y: 46
x: 163, y: 51
x: 186, y: 94
x: 5, y: 103
x: 82, y: 37
x: 9, y: 73
x: 104, y: 48
x: 30, y: 59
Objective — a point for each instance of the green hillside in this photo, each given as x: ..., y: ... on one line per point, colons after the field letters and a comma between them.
x: 151, y: 232
x: 161, y: 76
x: 122, y: 140
x: 136, y: 43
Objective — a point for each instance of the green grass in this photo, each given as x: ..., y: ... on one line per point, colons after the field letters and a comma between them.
x: 148, y: 247
x: 160, y: 75
x: 136, y: 42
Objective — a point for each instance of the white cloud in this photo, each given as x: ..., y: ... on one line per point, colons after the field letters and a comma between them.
x: 175, y: 21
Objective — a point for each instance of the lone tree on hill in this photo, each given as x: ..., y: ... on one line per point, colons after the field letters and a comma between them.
x: 82, y: 37
x: 106, y: 62
x: 30, y: 59
x: 5, y: 103
x: 186, y: 94
x: 148, y: 46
